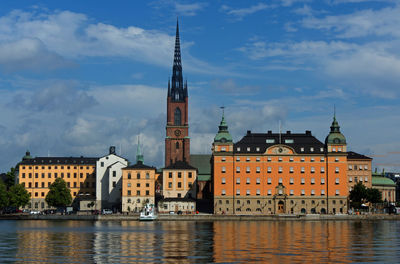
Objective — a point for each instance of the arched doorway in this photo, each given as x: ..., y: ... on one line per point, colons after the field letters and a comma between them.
x: 323, y: 211
x: 281, y: 207
x: 303, y: 210
x: 313, y: 211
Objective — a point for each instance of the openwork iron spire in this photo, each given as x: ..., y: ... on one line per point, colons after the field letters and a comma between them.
x: 139, y: 155
x: 178, y: 90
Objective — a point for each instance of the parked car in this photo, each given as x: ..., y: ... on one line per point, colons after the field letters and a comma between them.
x: 34, y: 212
x: 107, y: 211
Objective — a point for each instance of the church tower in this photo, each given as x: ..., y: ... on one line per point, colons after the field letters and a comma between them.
x: 177, y: 141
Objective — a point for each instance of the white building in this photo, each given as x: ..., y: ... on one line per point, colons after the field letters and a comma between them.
x: 109, y: 180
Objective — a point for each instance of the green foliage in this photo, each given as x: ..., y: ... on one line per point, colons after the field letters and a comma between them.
x: 59, y: 194
x: 10, y: 178
x: 374, y: 195
x: 18, y: 196
x: 3, y: 195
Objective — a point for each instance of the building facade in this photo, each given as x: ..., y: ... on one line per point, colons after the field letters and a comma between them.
x: 275, y: 173
x: 386, y: 186
x: 138, y: 185
x: 358, y: 170
x: 109, y: 180
x: 37, y: 174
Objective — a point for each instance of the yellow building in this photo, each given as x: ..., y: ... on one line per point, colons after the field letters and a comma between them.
x: 138, y: 185
x: 37, y: 174
x: 359, y: 170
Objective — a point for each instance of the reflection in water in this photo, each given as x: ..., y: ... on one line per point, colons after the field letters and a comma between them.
x: 199, y: 242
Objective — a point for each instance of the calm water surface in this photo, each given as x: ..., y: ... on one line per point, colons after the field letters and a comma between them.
x: 199, y: 242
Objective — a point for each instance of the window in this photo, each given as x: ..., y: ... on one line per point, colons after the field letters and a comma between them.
x: 237, y: 180
x: 23, y: 175
x: 302, y: 159
x: 223, y: 180
x: 302, y: 170
x: 68, y: 175
x: 137, y: 184
x: 223, y: 192
x: 322, y: 180
x: 280, y: 159
x: 36, y: 175
x: 291, y: 159
x: 170, y: 175
x: 269, y: 180
x: 365, y: 167
x: 289, y: 141
x: 223, y: 149
x: 257, y: 158
x: 280, y: 169
x: 350, y: 167
x: 270, y: 141
x: 177, y: 145
x: 248, y: 148
x: 312, y: 169
x: 247, y: 159
x: 114, y: 174
x: 101, y: 164
x: 312, y: 149
x: 269, y: 159
x: 336, y: 159
x: 114, y: 184
x: 170, y: 185
x: 339, y: 149
x: 179, y: 185
x: 177, y: 117
x: 258, y: 170
x: 237, y: 192
x: 223, y: 159
x: 147, y: 175
x: 361, y: 179
x: 291, y: 169
x: 138, y: 175
x: 42, y: 175
x: 129, y: 175
x: 258, y: 193
x: 337, y: 192
x: 322, y: 169
x: 280, y: 192
x: 258, y: 180
x: 312, y: 159
x: 303, y: 192
x: 247, y: 192
x: 237, y: 158
x: 269, y: 170
x: 74, y: 174
x: 238, y: 169
x: 360, y: 167
x: 337, y: 170
x: 269, y: 192
x: 350, y: 179
x: 366, y: 179
x: 322, y: 159
x: 80, y: 175
x: 179, y: 174
x: 312, y: 192
x: 312, y: 180
x: 247, y: 180
x: 280, y: 180
x: 302, y: 149
x: 223, y: 169
x: 337, y: 181
x: 302, y: 181
x: 238, y: 148
x: 129, y: 184
x: 138, y: 192
x: 291, y: 181
x: 247, y: 169
x: 291, y: 192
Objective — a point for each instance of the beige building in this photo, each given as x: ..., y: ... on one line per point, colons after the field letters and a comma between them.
x: 359, y: 170
x: 179, y: 181
x: 386, y: 186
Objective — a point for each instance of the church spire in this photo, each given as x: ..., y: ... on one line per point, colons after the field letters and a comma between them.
x: 177, y: 88
x: 139, y: 156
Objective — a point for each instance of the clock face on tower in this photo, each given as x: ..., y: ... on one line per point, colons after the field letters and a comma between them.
x: 177, y: 132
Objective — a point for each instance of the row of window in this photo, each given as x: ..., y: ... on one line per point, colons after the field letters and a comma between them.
x: 270, y: 202
x: 289, y: 141
x: 360, y: 178
x: 138, y: 184
x: 74, y: 185
x: 56, y: 167
x: 280, y: 170
x: 147, y: 192
x: 358, y: 167
x: 280, y: 192
x: 280, y: 180
x: 190, y: 175
x: 147, y: 175
x: 49, y: 175
x: 42, y: 194
x: 281, y: 159
x: 180, y: 185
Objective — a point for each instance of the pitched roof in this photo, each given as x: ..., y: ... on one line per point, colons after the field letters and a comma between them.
x: 180, y: 165
x: 139, y: 165
x: 60, y: 160
x: 202, y: 162
x: 297, y: 141
x: 356, y: 156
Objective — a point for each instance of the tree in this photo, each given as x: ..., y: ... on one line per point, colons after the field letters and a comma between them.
x: 358, y: 195
x: 3, y: 195
x: 18, y: 196
x: 59, y: 194
x: 374, y: 195
x: 10, y: 178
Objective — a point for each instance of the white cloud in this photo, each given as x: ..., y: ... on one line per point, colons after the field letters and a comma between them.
x: 291, y: 2
x: 242, y: 12
x: 189, y: 9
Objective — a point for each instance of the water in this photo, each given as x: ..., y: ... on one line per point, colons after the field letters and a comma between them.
x: 199, y: 242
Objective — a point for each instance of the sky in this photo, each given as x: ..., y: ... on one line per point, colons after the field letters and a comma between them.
x: 79, y: 76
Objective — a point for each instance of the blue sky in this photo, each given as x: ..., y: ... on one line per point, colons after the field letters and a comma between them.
x: 79, y: 76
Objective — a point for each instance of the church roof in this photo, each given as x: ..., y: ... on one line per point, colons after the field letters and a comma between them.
x: 302, y: 143
x: 203, y: 163
x: 356, y: 156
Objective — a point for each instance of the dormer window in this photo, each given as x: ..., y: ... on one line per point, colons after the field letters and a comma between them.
x: 321, y: 149
x: 248, y: 148
x: 302, y: 149
x: 312, y: 149
x: 270, y: 141
x: 238, y: 148
x: 257, y: 149
x: 289, y: 141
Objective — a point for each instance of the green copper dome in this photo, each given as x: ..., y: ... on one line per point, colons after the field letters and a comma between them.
x: 223, y: 133
x: 335, y: 136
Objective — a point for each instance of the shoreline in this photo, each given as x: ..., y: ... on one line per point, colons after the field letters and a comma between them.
x: 205, y: 217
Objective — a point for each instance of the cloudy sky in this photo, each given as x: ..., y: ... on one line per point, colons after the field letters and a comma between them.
x: 79, y: 76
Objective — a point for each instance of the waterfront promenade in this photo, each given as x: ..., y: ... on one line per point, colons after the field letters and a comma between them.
x: 206, y: 217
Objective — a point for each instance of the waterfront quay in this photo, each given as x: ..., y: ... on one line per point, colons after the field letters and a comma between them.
x: 207, y: 217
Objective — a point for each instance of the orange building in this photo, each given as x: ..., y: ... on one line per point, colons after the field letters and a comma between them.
x: 271, y: 173
x: 138, y: 185
x: 37, y: 174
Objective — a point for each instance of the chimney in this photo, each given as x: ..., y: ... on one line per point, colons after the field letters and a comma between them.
x: 112, y: 150
x: 269, y: 131
x: 308, y: 132
x: 288, y: 132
